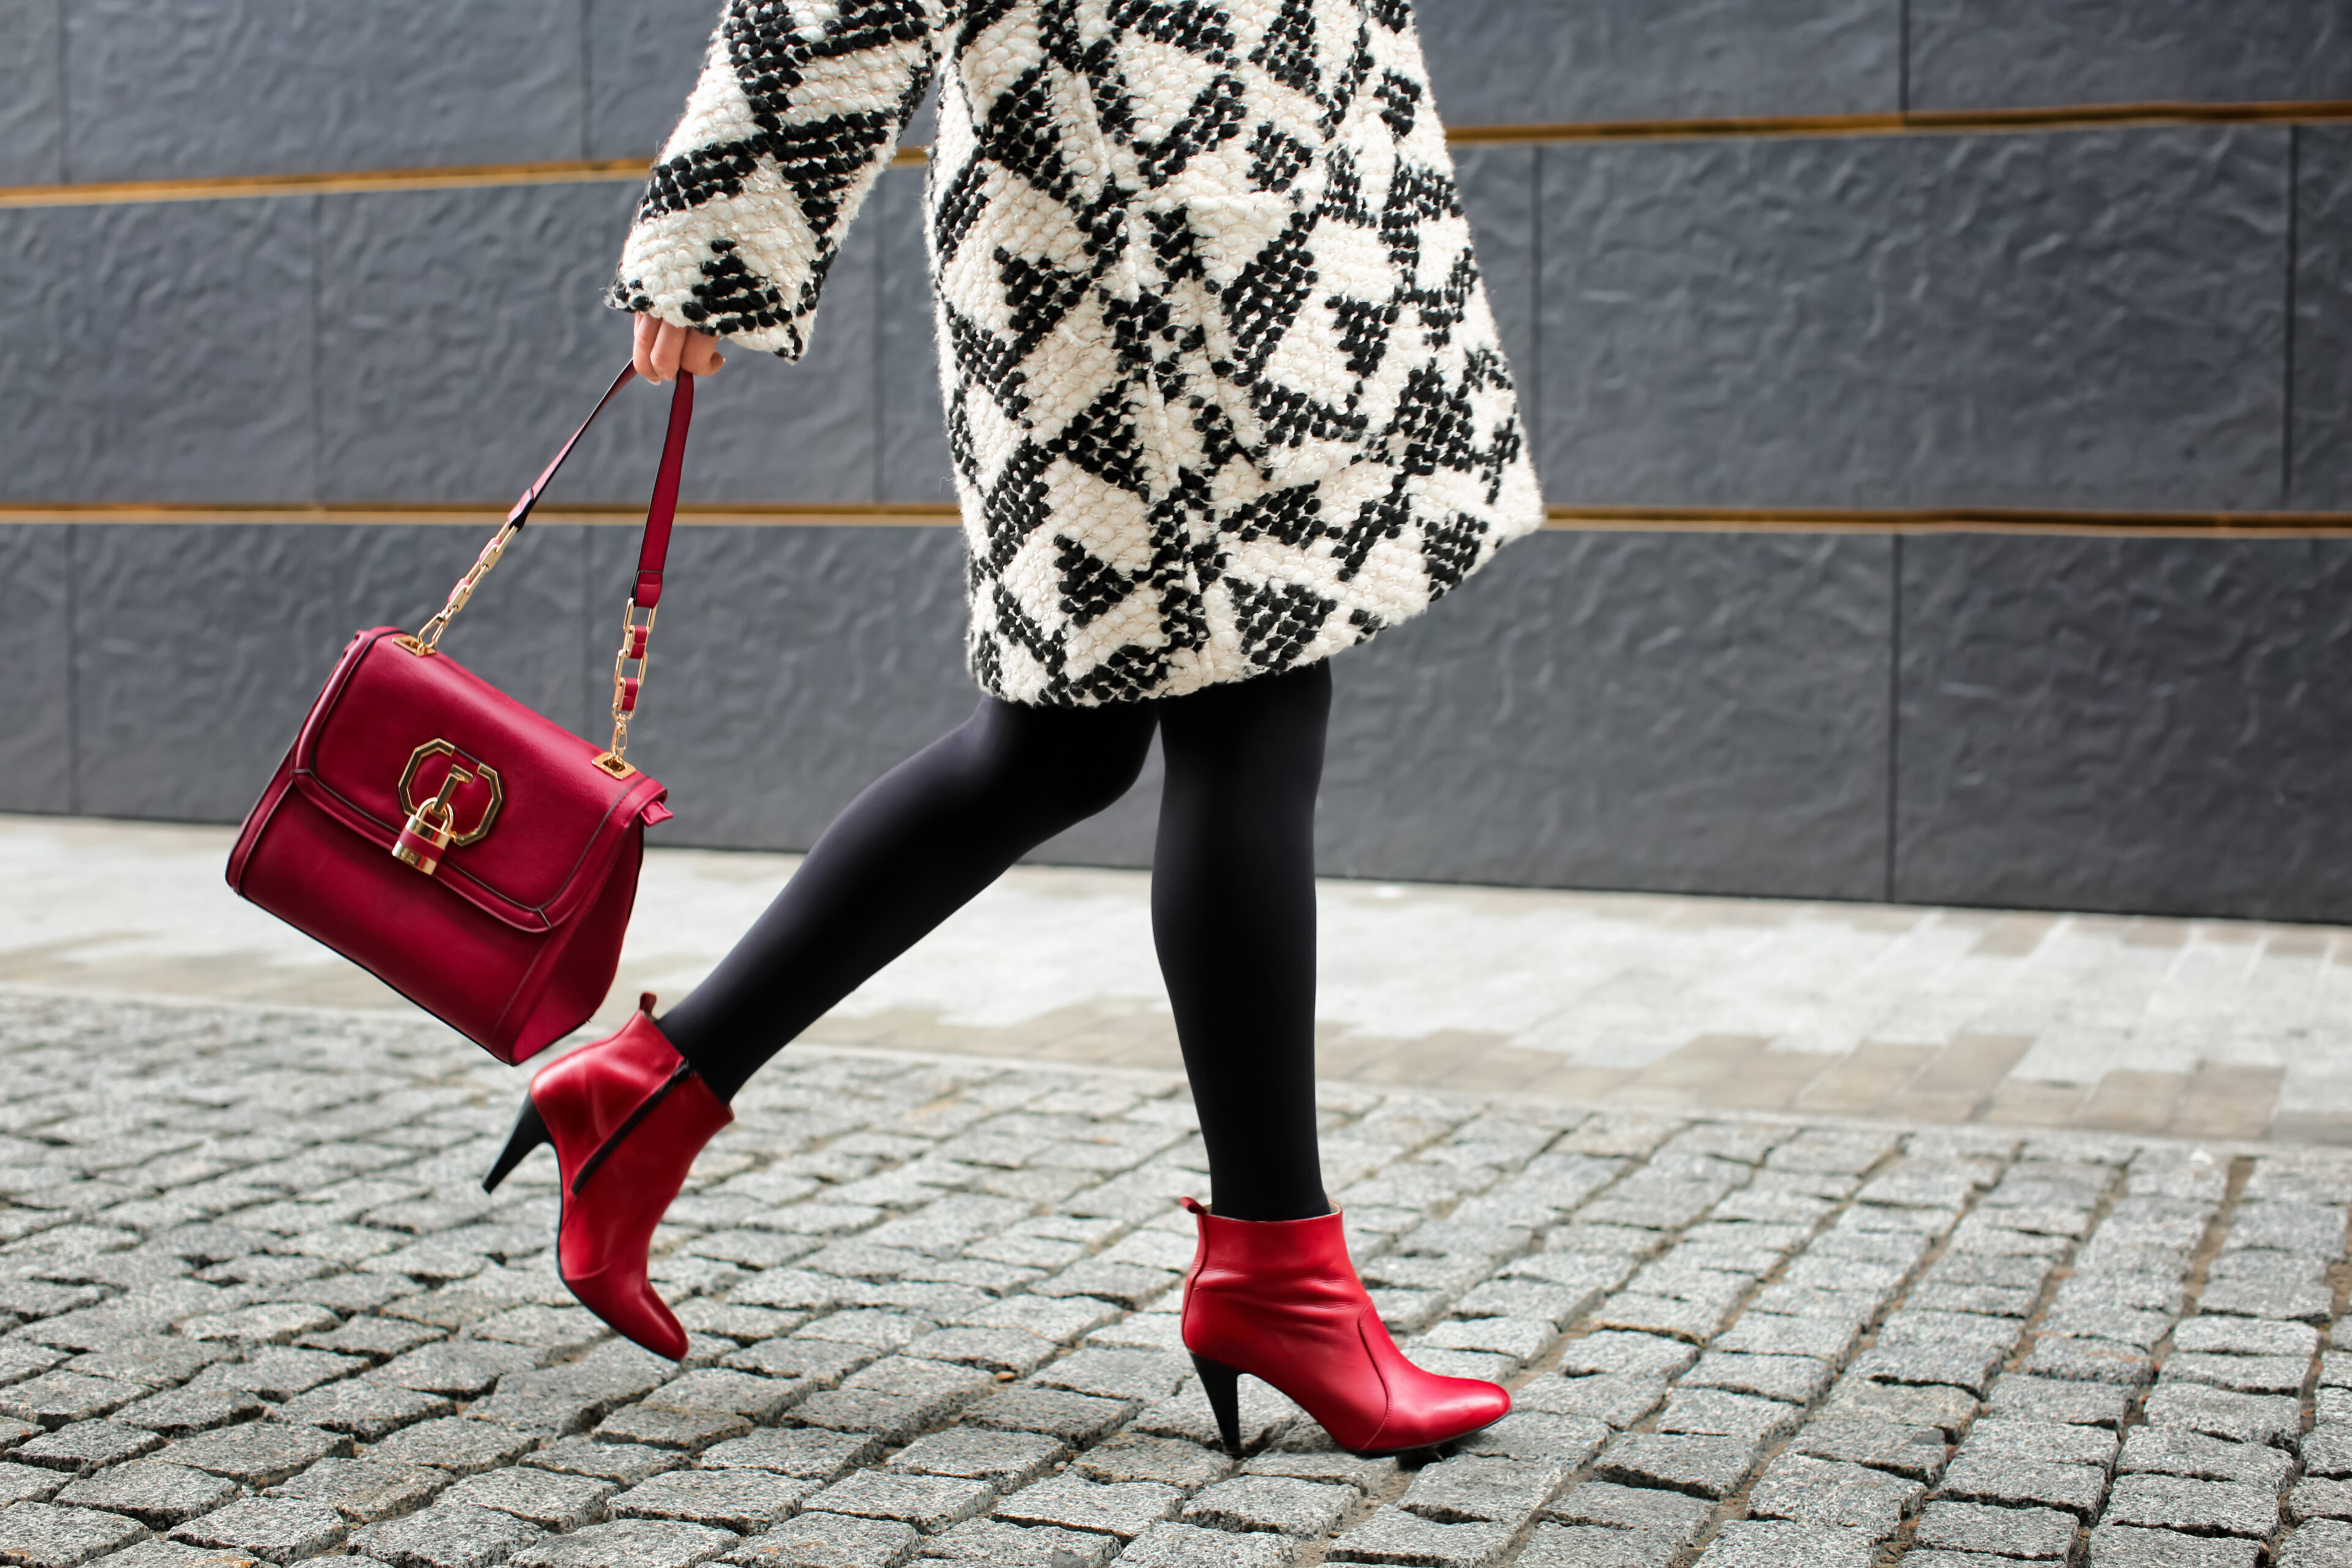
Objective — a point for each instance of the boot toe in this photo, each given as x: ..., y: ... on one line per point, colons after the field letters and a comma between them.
x: 1471, y: 1405
x: 1455, y: 1407
x: 631, y: 1309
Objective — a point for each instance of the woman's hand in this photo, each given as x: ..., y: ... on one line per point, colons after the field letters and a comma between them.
x: 663, y: 350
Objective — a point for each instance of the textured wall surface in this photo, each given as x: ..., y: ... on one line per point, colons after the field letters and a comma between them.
x: 2322, y: 318
x: 1917, y: 320
x: 156, y: 89
x: 642, y: 57
x: 2143, y: 724
x: 158, y: 352
x: 32, y: 120
x: 36, y: 765
x: 1676, y: 711
x: 1503, y: 62
x: 508, y: 281
x: 1999, y: 54
x: 504, y: 281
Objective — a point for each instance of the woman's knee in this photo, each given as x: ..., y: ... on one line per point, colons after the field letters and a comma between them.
x: 1067, y: 763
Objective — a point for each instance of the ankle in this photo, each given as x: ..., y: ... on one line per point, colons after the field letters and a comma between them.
x: 722, y: 1085
x: 1261, y: 1211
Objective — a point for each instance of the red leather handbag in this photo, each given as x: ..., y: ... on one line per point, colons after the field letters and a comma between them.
x: 478, y: 857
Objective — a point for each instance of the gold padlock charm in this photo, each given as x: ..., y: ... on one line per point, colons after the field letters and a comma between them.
x: 430, y: 827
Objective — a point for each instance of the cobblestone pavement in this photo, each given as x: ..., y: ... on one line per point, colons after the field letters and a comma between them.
x: 256, y: 1307
x: 2194, y: 1028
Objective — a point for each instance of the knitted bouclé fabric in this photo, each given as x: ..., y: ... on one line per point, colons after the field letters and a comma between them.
x: 1223, y: 392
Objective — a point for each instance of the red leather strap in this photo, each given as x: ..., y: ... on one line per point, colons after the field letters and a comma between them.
x: 661, y: 514
x: 662, y: 511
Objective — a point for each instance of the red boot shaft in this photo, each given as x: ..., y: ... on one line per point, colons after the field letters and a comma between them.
x: 627, y: 1116
x: 1280, y: 1301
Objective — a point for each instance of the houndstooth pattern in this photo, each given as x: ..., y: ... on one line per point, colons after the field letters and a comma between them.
x: 1224, y: 393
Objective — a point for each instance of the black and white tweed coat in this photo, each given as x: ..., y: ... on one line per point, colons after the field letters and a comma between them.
x: 1223, y: 392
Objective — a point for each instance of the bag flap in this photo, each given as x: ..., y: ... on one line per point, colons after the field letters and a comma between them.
x: 536, y: 821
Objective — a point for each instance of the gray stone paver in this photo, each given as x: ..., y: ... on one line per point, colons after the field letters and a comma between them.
x: 158, y: 1496
x: 933, y: 1321
x: 446, y: 1536
x: 41, y: 1535
x: 277, y: 1529
x: 2318, y: 1544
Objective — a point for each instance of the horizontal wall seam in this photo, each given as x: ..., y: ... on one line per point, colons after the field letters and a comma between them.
x: 1571, y: 519
x: 342, y: 182
x: 1929, y: 122
x: 589, y: 170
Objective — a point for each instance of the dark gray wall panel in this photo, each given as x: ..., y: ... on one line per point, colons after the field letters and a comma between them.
x: 37, y: 760
x: 1500, y: 192
x: 2100, y: 321
x: 2322, y: 318
x: 32, y: 115
x: 913, y: 446
x: 157, y: 89
x: 158, y: 352
x: 2153, y: 725
x: 643, y: 56
x: 1720, y: 318
x: 199, y: 647
x: 464, y: 334
x: 791, y: 667
x: 1675, y: 712
x: 1917, y: 320
x: 1998, y: 54
x: 1516, y: 62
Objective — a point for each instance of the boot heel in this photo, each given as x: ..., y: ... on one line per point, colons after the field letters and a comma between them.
x: 1221, y: 1384
x: 529, y: 1132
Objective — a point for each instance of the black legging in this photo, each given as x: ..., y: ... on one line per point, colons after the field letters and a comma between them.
x: 1232, y: 900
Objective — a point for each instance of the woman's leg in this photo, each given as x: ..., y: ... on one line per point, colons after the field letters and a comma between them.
x: 1232, y: 912
x: 901, y: 857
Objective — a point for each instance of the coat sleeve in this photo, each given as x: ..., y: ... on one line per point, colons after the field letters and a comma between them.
x: 799, y: 109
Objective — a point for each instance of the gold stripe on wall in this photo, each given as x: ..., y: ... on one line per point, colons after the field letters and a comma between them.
x: 1953, y: 520
x: 466, y: 514
x: 344, y: 182
x: 1560, y: 519
x: 108, y: 192
x: 2083, y: 116
x: 1923, y: 121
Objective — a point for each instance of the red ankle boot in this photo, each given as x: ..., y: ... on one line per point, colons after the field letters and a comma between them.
x: 1278, y: 1299
x: 627, y: 1116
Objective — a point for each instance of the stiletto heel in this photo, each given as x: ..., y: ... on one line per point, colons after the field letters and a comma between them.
x: 1280, y: 1301
x: 1221, y: 1384
x: 529, y: 1132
